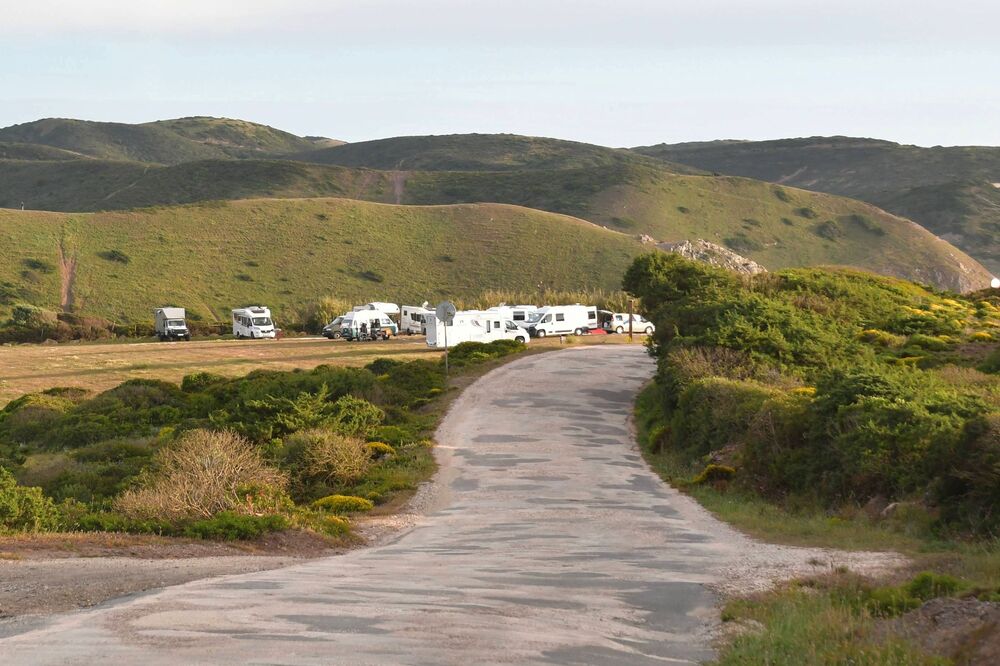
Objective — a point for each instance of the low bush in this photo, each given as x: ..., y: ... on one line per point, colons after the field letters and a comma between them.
x: 343, y: 504
x: 233, y: 526
x: 380, y: 450
x: 115, y: 522
x: 714, y: 474
x: 331, y: 456
x: 333, y: 525
x: 25, y: 509
x: 715, y: 412
x: 202, y: 474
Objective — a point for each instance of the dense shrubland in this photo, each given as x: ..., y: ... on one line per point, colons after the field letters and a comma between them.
x: 829, y: 387
x: 222, y: 457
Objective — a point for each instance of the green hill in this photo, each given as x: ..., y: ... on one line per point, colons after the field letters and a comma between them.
x: 107, y: 185
x: 473, y: 152
x: 946, y: 189
x: 286, y: 253
x: 776, y: 226
x: 162, y: 142
x: 30, y: 151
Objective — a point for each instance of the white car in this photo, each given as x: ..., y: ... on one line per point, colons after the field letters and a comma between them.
x: 618, y: 323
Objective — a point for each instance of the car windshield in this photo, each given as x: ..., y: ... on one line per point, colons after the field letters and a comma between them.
x: 261, y: 321
x: 174, y: 323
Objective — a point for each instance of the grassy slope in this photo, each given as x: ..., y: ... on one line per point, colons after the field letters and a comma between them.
x: 195, y: 255
x: 34, y: 151
x: 109, y: 185
x: 163, y: 142
x: 945, y: 189
x: 474, y: 152
x: 635, y: 199
x: 750, y: 216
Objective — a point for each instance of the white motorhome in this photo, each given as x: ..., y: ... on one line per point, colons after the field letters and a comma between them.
x: 358, y: 325
x: 562, y: 320
x: 518, y: 314
x: 170, y: 324
x: 412, y: 318
x: 385, y: 308
x: 472, y: 326
x: 253, y: 322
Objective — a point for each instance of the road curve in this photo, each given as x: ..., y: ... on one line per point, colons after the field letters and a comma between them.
x: 552, y: 543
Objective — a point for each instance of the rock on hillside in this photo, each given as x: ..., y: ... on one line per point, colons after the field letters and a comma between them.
x: 716, y: 255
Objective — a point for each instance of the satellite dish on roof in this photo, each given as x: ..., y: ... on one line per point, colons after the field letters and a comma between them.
x: 995, y: 283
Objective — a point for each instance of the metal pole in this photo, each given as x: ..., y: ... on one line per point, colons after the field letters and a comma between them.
x: 446, y: 351
x: 631, y: 307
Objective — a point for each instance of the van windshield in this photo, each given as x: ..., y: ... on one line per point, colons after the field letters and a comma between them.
x: 534, y: 317
x: 261, y: 321
x: 175, y: 323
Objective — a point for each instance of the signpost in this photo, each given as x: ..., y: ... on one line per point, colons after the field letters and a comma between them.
x: 445, y: 312
x: 631, y: 310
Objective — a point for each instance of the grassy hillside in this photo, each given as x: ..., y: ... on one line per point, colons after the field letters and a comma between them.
x: 163, y: 142
x: 286, y: 253
x: 946, y: 190
x: 30, y: 151
x: 108, y: 185
x: 777, y: 227
x: 473, y: 152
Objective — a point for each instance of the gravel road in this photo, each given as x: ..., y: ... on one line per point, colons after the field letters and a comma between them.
x: 546, y: 539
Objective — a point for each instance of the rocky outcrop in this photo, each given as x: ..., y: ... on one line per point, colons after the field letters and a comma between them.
x: 716, y: 255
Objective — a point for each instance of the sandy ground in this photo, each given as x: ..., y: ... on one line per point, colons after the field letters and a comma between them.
x: 544, y: 524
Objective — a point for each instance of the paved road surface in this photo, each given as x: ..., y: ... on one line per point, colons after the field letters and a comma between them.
x: 551, y: 543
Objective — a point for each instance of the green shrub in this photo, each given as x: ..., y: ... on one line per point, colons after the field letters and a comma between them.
x: 714, y: 474
x: 829, y: 230
x: 873, y: 336
x: 715, y: 412
x: 927, y: 342
x: 24, y: 509
x: 114, y: 522
x: 343, y: 504
x: 115, y: 255
x: 380, y: 450
x: 331, y: 456
x: 233, y: 526
x: 807, y: 213
x: 199, y: 381
x: 333, y: 525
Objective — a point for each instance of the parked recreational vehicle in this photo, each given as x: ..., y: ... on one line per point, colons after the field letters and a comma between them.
x: 618, y: 323
x: 412, y: 317
x: 385, y: 308
x: 473, y: 326
x: 562, y: 319
x: 518, y: 314
x: 332, y: 330
x: 253, y: 322
x: 170, y: 324
x: 360, y: 324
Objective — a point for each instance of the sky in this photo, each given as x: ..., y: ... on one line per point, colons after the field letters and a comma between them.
x: 617, y: 72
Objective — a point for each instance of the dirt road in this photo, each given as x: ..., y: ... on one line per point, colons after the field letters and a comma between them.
x: 548, y: 541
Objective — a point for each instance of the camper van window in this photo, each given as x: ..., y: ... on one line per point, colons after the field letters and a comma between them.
x: 261, y: 321
x: 511, y: 326
x: 591, y: 315
x: 518, y: 316
x: 560, y: 316
x: 547, y: 319
x: 496, y: 324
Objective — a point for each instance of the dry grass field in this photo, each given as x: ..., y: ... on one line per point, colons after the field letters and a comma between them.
x: 100, y: 366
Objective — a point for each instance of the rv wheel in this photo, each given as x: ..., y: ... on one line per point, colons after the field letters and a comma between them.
x: 577, y: 331
x: 520, y: 339
x: 649, y: 331
x: 540, y: 333
x: 619, y: 330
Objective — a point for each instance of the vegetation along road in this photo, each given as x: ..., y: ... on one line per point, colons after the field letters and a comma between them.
x: 546, y: 539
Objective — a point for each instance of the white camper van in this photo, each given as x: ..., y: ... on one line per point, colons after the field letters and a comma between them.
x: 473, y: 326
x: 562, y: 320
x: 412, y: 318
x: 253, y: 322
x: 359, y: 325
x: 518, y: 314
x: 170, y: 324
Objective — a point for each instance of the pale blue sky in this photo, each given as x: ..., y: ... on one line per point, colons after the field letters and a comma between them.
x: 620, y: 73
